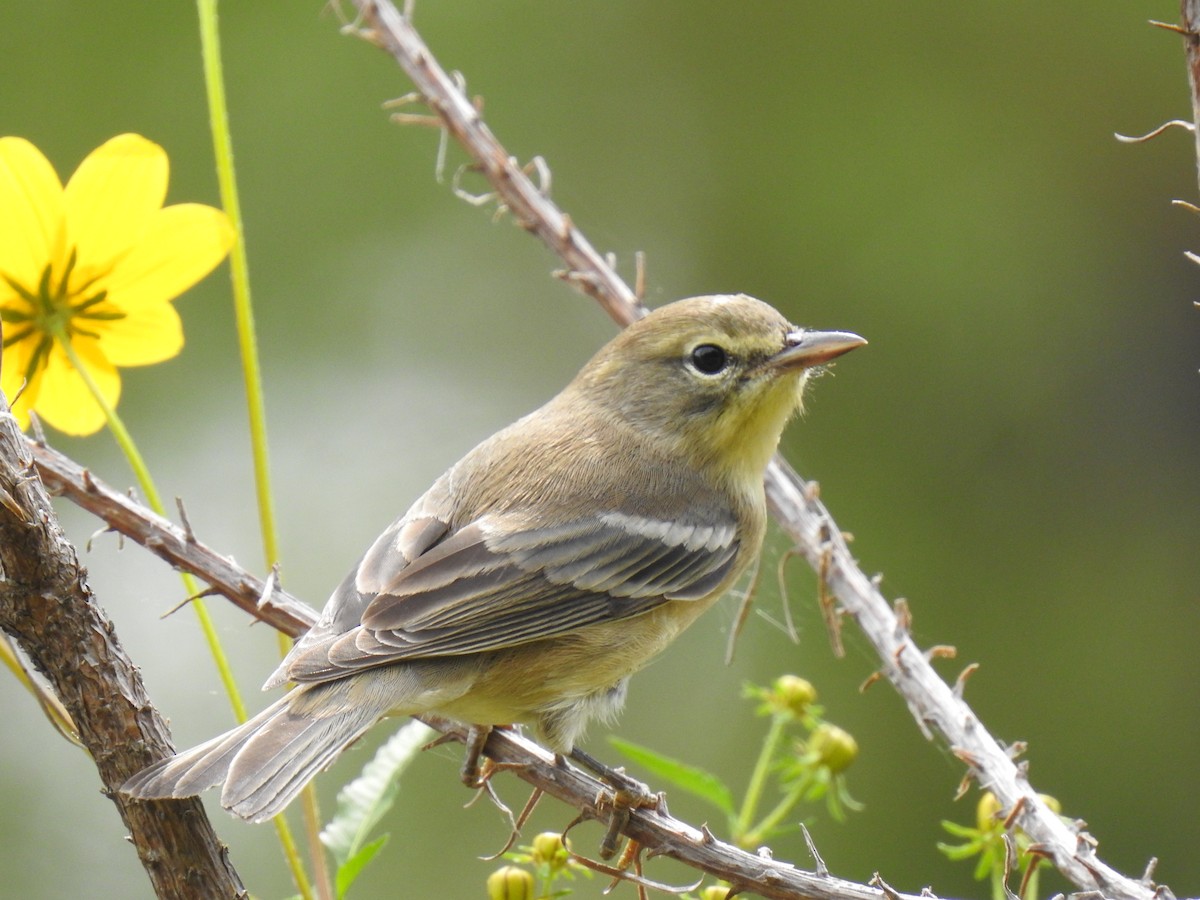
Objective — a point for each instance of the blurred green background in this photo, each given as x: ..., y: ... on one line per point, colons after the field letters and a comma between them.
x: 1016, y: 450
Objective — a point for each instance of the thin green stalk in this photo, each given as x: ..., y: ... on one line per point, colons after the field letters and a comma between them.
x: 50, y: 704
x: 758, y: 779
x: 772, y: 819
x: 142, y: 473
x: 146, y: 483
x: 239, y: 267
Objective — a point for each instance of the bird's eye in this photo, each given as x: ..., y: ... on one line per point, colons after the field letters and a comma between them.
x: 709, y: 359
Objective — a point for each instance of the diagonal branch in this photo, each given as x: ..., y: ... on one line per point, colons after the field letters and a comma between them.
x: 176, y: 545
x: 934, y: 705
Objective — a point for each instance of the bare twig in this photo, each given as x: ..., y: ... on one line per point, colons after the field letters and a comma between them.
x: 176, y: 545
x: 805, y: 519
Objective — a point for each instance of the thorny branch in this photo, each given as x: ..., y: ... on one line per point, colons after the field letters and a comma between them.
x: 799, y: 512
x: 178, y: 546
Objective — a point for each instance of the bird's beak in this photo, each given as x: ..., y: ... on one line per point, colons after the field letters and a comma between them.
x: 806, y: 349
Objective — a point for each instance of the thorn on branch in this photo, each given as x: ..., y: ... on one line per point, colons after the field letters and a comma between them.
x: 941, y: 651
x: 1083, y: 839
x: 1190, y: 207
x: 821, y: 870
x: 1013, y: 813
x: 99, y: 533
x: 964, y: 785
x: 903, y: 617
x: 35, y: 424
x: 960, y: 683
x: 966, y: 757
x: 812, y: 492
x: 1172, y: 27
x: 888, y: 891
x: 1148, y: 874
x: 539, y: 167
x: 566, y: 230
x: 589, y: 280
x: 269, y: 586
x: 1151, y: 135
x: 462, y: 193
x: 188, y: 534
x: 402, y: 118
x: 207, y: 592
x: 870, y: 680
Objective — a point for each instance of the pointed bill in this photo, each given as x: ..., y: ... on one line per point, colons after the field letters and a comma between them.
x: 806, y: 349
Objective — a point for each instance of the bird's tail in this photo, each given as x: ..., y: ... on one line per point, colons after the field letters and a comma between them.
x: 266, y: 761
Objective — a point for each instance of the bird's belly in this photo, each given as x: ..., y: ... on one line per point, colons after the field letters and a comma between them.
x: 522, y: 683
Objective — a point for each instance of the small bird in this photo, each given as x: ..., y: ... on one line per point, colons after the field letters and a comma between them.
x: 552, y: 562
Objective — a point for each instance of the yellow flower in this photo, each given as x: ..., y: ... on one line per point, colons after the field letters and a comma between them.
x: 87, y: 273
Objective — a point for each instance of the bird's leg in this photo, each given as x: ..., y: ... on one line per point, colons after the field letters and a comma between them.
x: 477, y: 769
x: 628, y: 794
x: 472, y: 773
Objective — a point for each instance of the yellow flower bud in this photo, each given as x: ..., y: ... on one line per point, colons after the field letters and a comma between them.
x: 549, y: 849
x: 791, y: 694
x: 832, y: 747
x: 510, y: 883
x: 715, y: 892
x: 987, y: 813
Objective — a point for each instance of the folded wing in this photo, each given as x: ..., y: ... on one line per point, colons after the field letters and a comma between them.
x: 489, y: 586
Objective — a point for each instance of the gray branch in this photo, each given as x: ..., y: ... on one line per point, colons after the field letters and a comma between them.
x: 936, y: 707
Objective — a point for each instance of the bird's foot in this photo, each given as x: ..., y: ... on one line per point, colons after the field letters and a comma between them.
x: 629, y: 794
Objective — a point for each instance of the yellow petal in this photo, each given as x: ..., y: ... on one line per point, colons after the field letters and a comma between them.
x: 13, y: 368
x: 112, y: 197
x: 64, y: 400
x: 31, y: 205
x: 182, y: 244
x: 149, y: 333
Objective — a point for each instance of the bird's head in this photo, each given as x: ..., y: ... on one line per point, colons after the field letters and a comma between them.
x: 710, y: 379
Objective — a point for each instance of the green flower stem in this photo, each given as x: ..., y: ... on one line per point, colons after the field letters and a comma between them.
x: 50, y: 704
x: 146, y: 483
x: 758, y: 780
x: 762, y: 831
x: 239, y: 267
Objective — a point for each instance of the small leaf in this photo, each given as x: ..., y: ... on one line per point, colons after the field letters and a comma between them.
x: 350, y: 869
x: 690, y: 778
x: 365, y: 800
